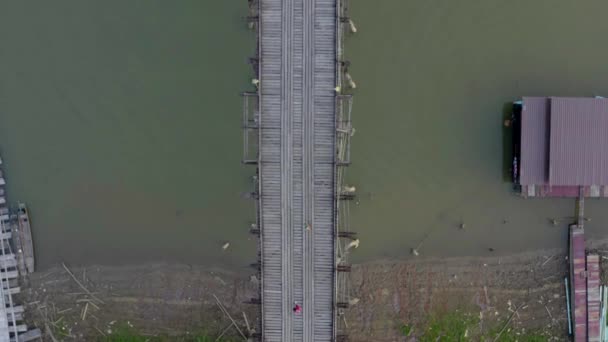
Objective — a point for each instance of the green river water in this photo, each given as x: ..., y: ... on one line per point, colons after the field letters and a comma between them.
x: 120, y: 124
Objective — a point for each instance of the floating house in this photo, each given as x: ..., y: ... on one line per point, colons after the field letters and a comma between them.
x: 561, y: 146
x: 561, y: 150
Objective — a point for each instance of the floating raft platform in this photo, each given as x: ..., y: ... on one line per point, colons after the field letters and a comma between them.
x: 16, y: 261
x: 22, y: 239
x: 24, y: 232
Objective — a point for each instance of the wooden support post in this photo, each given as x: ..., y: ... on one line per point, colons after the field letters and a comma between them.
x: 255, y: 301
x: 245, y: 131
x: 342, y: 305
x: 581, y: 206
x: 343, y: 268
x: 342, y: 338
x: 349, y: 235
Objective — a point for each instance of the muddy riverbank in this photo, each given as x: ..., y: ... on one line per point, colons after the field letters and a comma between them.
x: 393, y: 295
x: 176, y: 300
x: 152, y: 299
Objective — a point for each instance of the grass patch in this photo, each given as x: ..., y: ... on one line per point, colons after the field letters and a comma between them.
x: 512, y: 336
x: 60, y: 328
x: 527, y: 337
x: 454, y: 326
x: 127, y: 334
x: 458, y: 326
x: 405, y: 330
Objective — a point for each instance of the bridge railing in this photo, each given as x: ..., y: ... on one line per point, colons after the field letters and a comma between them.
x: 344, y: 133
x: 344, y: 128
x: 250, y: 126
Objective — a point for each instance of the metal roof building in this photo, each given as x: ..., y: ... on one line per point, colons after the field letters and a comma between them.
x: 563, y: 146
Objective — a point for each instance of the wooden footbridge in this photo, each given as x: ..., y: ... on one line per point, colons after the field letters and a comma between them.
x: 297, y: 129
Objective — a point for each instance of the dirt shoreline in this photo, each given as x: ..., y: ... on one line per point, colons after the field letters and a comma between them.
x: 152, y: 299
x: 178, y: 299
x: 393, y: 294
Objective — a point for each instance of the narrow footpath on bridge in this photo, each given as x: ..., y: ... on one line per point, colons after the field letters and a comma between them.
x: 295, y: 117
x: 297, y: 82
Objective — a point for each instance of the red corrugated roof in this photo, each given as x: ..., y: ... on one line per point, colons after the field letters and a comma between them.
x: 578, y: 141
x: 534, y: 141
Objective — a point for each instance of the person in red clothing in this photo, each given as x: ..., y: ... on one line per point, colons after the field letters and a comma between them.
x: 297, y: 308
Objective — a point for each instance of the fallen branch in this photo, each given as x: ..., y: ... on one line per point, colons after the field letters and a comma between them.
x: 219, y: 304
x: 507, y: 323
x: 50, y: 332
x: 47, y: 274
x: 345, y: 322
x: 79, y: 293
x: 101, y: 332
x: 485, y: 290
x: 247, y: 323
x: 223, y: 332
x: 549, y: 312
x: 546, y: 261
x: 47, y: 329
x: 84, y: 311
x: 59, y: 327
x: 80, y: 284
x: 88, y: 301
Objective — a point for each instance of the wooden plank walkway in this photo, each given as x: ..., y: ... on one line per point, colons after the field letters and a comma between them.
x: 297, y: 168
x: 24, y: 231
x: 593, y: 298
x: 578, y: 282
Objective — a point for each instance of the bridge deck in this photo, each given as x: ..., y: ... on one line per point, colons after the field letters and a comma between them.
x: 297, y: 168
